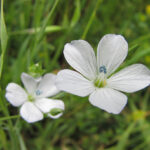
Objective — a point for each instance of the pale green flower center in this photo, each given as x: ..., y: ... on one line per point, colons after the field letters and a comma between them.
x: 100, y: 81
x: 31, y: 98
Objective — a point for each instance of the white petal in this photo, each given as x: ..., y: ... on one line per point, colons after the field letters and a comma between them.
x: 15, y: 94
x: 30, y: 112
x: 46, y: 105
x: 80, y: 55
x: 111, y: 52
x: 47, y: 86
x: 73, y: 82
x: 130, y: 79
x: 56, y: 116
x: 109, y: 100
x: 38, y: 79
x: 29, y: 82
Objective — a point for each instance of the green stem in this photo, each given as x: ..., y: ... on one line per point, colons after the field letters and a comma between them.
x: 9, y: 117
x: 48, y: 29
x: 91, y: 19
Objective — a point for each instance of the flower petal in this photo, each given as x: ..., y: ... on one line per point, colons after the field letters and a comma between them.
x: 80, y: 55
x: 47, y: 86
x: 46, y: 105
x: 130, y: 79
x: 111, y: 52
x: 73, y: 82
x: 15, y: 94
x: 109, y: 100
x: 29, y: 82
x: 30, y: 112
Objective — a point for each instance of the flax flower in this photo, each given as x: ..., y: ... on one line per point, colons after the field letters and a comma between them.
x: 33, y: 101
x: 94, y: 77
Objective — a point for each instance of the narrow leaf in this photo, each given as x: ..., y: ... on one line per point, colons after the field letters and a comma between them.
x: 3, y: 31
x: 3, y: 38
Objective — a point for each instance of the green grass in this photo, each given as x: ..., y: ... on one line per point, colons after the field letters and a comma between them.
x: 36, y: 33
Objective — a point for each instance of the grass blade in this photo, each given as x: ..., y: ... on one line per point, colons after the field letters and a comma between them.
x: 3, y: 37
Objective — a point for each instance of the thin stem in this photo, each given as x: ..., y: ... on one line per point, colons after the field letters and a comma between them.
x: 91, y: 19
x: 9, y: 117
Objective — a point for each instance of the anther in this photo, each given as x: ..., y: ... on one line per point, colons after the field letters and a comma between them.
x: 38, y: 92
x: 102, y: 69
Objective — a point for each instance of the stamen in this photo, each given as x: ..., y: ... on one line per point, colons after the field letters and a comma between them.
x: 101, y: 79
x: 102, y: 69
x: 38, y: 92
x: 100, y: 83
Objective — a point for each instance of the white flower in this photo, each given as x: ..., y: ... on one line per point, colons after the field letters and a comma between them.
x: 95, y: 76
x: 34, y: 102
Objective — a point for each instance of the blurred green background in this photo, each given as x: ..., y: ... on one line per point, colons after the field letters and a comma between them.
x: 37, y: 32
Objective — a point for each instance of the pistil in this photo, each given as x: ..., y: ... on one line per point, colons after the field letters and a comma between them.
x: 30, y: 98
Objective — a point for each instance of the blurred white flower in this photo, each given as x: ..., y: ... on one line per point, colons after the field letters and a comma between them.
x: 33, y: 101
x: 95, y: 76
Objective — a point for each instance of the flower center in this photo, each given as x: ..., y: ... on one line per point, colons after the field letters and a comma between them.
x: 100, y: 83
x: 31, y: 98
x: 38, y: 92
x: 101, y: 79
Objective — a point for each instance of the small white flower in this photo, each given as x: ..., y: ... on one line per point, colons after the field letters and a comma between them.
x: 95, y: 76
x: 34, y: 102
